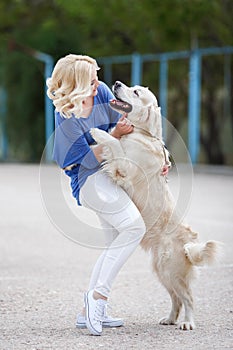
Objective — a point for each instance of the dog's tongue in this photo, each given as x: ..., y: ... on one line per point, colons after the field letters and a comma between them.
x: 121, y: 105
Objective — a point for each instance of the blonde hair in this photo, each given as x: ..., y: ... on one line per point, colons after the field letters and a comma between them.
x: 70, y: 83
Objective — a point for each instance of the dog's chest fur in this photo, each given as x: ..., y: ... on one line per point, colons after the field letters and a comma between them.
x: 145, y: 152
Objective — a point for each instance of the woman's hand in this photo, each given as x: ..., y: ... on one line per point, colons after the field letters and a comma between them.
x: 165, y: 170
x: 122, y: 127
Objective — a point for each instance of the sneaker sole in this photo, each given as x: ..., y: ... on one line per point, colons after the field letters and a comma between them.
x: 104, y: 324
x: 81, y: 325
x: 88, y: 323
x: 112, y: 325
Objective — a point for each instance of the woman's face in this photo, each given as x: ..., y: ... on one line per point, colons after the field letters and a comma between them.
x: 94, y: 83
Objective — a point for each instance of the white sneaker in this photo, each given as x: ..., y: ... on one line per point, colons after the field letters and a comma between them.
x: 94, y: 313
x: 108, y: 321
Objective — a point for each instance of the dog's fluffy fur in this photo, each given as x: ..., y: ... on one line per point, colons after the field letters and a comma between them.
x: 135, y: 162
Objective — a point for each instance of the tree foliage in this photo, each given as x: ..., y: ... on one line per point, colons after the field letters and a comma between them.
x: 103, y: 28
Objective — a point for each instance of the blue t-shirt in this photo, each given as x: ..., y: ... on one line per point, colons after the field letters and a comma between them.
x: 72, y: 139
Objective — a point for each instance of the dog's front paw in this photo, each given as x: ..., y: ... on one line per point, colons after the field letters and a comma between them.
x: 100, y: 136
x: 187, y: 326
x: 167, y: 321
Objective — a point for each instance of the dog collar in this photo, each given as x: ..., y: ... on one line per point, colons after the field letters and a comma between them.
x: 164, y: 148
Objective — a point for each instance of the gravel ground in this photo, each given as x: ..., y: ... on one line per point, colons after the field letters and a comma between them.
x: 43, y: 275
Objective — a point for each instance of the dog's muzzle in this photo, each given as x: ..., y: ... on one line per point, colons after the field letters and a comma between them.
x: 118, y: 104
x: 121, y: 106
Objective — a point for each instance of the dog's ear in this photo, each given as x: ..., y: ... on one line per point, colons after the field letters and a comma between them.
x: 154, y: 121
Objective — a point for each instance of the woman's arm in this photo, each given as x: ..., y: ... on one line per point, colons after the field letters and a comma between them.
x: 98, y: 151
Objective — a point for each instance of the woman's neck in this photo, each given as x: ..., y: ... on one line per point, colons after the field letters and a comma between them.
x: 87, y: 104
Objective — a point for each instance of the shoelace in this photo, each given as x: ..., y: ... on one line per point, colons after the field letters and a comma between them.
x: 99, y: 310
x: 106, y: 307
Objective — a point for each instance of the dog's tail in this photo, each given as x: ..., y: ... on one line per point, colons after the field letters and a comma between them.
x: 202, y: 253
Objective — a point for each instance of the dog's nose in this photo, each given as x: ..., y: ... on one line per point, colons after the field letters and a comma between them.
x: 117, y: 84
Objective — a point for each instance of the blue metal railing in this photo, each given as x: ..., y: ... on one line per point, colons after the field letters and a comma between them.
x: 49, y: 114
x: 136, y: 60
x: 49, y: 118
x: 195, y: 62
x: 3, y: 133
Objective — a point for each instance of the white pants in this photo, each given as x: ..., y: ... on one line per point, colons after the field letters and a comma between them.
x: 122, y: 223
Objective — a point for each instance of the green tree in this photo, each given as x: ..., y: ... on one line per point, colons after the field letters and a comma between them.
x: 101, y: 28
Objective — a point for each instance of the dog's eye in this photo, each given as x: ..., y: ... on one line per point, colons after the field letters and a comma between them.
x: 136, y: 93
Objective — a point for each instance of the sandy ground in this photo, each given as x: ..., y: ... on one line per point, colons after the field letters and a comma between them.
x: 43, y: 274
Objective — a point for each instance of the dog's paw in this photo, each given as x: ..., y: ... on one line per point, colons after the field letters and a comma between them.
x: 100, y: 136
x: 166, y: 321
x: 187, y: 326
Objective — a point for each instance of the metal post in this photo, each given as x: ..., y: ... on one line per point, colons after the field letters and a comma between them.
x: 163, y: 73
x: 49, y: 115
x: 136, y: 70
x: 194, y: 105
x: 227, y: 86
x: 108, y: 73
x: 4, y: 143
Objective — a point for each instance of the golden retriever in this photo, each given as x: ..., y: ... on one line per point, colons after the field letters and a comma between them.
x: 135, y: 162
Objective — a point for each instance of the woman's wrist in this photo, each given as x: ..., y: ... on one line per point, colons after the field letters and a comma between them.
x: 115, y: 133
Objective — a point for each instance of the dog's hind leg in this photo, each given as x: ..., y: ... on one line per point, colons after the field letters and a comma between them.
x: 175, y: 310
x: 186, y: 297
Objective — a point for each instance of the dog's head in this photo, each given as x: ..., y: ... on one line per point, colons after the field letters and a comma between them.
x: 141, y: 106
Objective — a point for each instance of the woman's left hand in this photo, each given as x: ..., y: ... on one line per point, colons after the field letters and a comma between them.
x: 122, y: 127
x: 165, y: 170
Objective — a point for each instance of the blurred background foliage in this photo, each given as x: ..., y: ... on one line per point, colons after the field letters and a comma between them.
x: 106, y: 28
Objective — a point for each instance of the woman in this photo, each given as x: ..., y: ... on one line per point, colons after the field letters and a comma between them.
x: 82, y: 102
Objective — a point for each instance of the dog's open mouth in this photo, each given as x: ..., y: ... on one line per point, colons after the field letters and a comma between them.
x: 121, y: 105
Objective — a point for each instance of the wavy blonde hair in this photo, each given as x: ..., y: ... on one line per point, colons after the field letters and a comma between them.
x: 70, y: 84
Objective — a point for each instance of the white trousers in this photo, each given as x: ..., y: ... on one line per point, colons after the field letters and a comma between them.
x: 121, y: 222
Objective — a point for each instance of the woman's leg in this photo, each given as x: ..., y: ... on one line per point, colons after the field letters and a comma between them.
x: 113, y: 206
x: 110, y: 235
